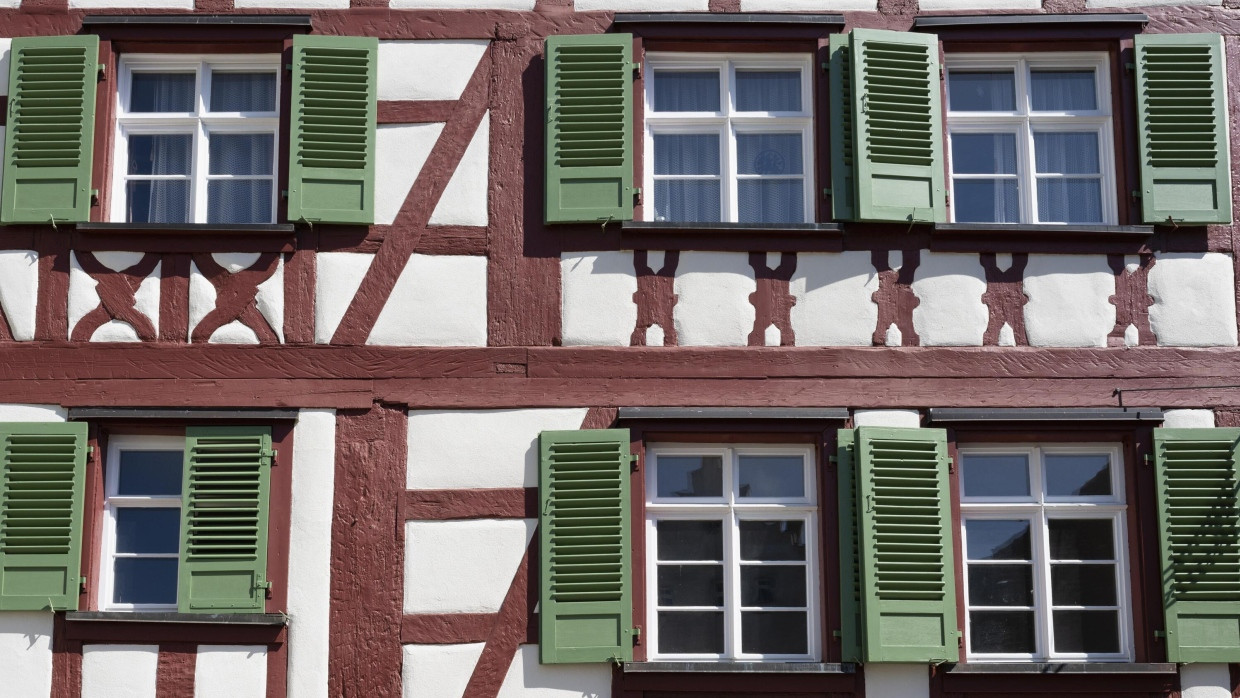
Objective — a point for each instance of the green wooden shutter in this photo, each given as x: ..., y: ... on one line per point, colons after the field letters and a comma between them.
x: 1182, y: 121
x: 898, y: 121
x: 585, y: 597
x: 589, y: 128
x: 850, y: 557
x: 904, y: 512
x: 843, y: 192
x: 41, y: 493
x: 49, y: 141
x: 332, y: 139
x: 224, y: 519
x: 1199, y: 542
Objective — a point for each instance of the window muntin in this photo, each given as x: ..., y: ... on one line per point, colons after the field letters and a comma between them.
x: 728, y: 139
x: 142, y: 523
x: 1044, y: 544
x: 196, y: 139
x: 1029, y: 139
x: 731, y: 540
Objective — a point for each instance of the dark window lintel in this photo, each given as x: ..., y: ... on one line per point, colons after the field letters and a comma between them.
x: 937, y: 21
x: 1061, y: 668
x: 193, y: 228
x: 727, y: 18
x: 735, y: 413
x: 941, y: 415
x: 1004, y: 229
x: 210, y: 19
x: 265, y: 619
x: 737, y: 668
x: 729, y: 228
x: 82, y: 413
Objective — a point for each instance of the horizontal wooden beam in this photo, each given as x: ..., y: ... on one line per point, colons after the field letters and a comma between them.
x: 445, y: 505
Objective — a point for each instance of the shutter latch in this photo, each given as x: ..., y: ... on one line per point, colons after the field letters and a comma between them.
x: 633, y: 462
x: 951, y: 464
x: 262, y: 584
x: 637, y: 635
x: 269, y: 457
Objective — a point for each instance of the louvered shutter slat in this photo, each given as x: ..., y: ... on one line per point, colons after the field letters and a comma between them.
x: 589, y: 128
x: 908, y: 595
x: 49, y: 139
x: 1183, y: 131
x: 224, y: 519
x: 42, y: 485
x: 897, y: 126
x: 332, y: 148
x: 1198, y: 486
x: 850, y: 550
x: 585, y: 592
x: 843, y: 188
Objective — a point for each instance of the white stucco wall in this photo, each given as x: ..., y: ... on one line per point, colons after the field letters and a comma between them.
x: 4, y: 54
x: 26, y: 652
x: 437, y: 301
x: 833, y: 293
x: 294, y: 4
x: 951, y: 312
x: 527, y: 678
x: 464, y: 4
x: 807, y: 5
x: 231, y: 671
x: 401, y: 151
x: 597, y: 297
x: 712, y: 307
x: 464, y: 200
x: 131, y: 4
x: 1196, y: 419
x: 462, y: 566
x: 337, y: 278
x: 897, y: 681
x: 1069, y: 300
x: 441, y: 671
x: 119, y: 671
x: 480, y: 448
x: 1194, y: 299
x: 887, y: 418
x: 454, y: 62
x: 643, y: 5
x: 19, y: 289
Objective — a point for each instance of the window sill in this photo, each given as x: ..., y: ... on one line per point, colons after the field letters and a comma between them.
x: 737, y: 668
x: 1125, y: 668
x: 184, y: 237
x: 155, y: 627
x: 188, y: 228
x: 266, y: 619
x: 640, y: 227
x: 1011, y: 229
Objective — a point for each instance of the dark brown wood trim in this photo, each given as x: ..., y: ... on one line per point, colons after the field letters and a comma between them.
x: 157, y: 633
x: 416, y: 112
x: 696, y: 684
x: 279, y: 517
x: 445, y: 505
x: 51, y: 320
x: 455, y: 628
x: 66, y: 661
x: 300, y: 277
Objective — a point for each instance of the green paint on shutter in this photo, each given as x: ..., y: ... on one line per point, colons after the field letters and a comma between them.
x: 1199, y: 542
x: 898, y: 125
x: 904, y: 514
x: 43, y: 468
x: 843, y: 168
x: 850, y: 558
x: 224, y: 519
x: 1182, y: 124
x: 332, y: 139
x: 585, y: 596
x: 50, y: 137
x: 589, y: 128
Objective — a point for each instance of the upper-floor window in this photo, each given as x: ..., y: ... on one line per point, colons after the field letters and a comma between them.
x: 1030, y: 138
x: 196, y: 139
x: 728, y: 139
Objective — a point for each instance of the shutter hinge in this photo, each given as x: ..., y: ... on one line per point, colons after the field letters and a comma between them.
x: 837, y: 633
x: 103, y: 72
x: 633, y: 462
x: 1160, y: 634
x: 637, y: 195
x: 1149, y: 459
x: 1130, y: 66
x: 1136, y: 193
x: 947, y: 196
x: 262, y: 584
x: 637, y: 635
x: 826, y: 192
x: 826, y: 66
x: 288, y: 67
x: 951, y: 464
x: 637, y: 69
x: 90, y: 450
x: 833, y: 460
x: 269, y: 457
x: 82, y: 582
x: 94, y: 197
x: 942, y: 72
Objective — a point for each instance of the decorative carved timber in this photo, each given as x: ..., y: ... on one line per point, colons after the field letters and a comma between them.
x: 1132, y: 300
x: 116, y: 291
x: 235, y: 297
x: 655, y: 297
x: 772, y: 301
x: 1005, y: 297
x: 895, y: 297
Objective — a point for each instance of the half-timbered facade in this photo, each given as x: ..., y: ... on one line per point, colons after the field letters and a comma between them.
x: 629, y: 348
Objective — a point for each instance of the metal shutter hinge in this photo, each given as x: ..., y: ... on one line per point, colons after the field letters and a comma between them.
x: 103, y: 72
x: 951, y: 464
x: 1149, y: 460
x: 637, y: 69
x: 637, y: 195
x: 1160, y: 634
x: 637, y: 635
x: 82, y: 583
x: 826, y: 67
x: 826, y: 192
x: 1136, y: 194
x: 1130, y: 66
x: 288, y: 67
x: 633, y: 462
x: 269, y: 457
x: 837, y: 633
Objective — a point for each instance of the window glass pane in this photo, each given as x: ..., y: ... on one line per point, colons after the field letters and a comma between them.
x: 997, y: 539
x: 773, y: 633
x: 149, y: 473
x: 773, y: 585
x: 1078, y: 475
x: 690, y: 540
x: 995, y: 475
x: 770, y: 201
x: 1062, y: 90
x: 148, y: 530
x: 769, y: 153
x: 691, y: 632
x: 981, y: 90
x: 690, y: 585
x: 686, y: 153
x: 1066, y: 153
x: 162, y: 92
x: 984, y: 153
x: 772, y: 540
x: 159, y: 201
x: 687, y: 200
x: 1081, y: 539
x: 986, y: 201
x: 242, y: 153
x: 160, y: 154
x: 686, y: 90
x: 243, y: 91
x: 771, y: 476
x: 147, y: 580
x: 239, y: 200
x: 1086, y: 631
x: 1070, y: 200
x: 768, y: 90
x: 1083, y: 585
x: 689, y: 476
x: 1001, y: 631
x: 1001, y: 585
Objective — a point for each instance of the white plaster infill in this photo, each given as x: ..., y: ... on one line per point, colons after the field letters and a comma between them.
x: 464, y: 200
x: 462, y: 566
x: 910, y: 419
x: 294, y: 4
x: 951, y: 311
x: 1194, y: 299
x: 528, y: 678
x: 808, y: 5
x: 231, y: 671
x: 642, y: 5
x: 339, y: 276
x: 442, y: 671
x: 19, y: 289
x: 1069, y: 300
x: 463, y: 4
x: 932, y: 5
x: 1205, y: 681
x: 834, y: 294
x: 401, y: 150
x: 119, y: 671
x: 4, y: 52
x: 131, y: 4
x: 438, y: 300
x: 897, y: 680
x: 454, y: 64
x: 597, y: 298
x: 1188, y: 419
x: 1092, y: 4
x: 26, y: 649
x: 33, y: 413
x: 713, y: 306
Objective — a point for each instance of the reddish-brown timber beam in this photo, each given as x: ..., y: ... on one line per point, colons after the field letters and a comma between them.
x: 173, y: 392
x: 455, y: 628
x: 443, y: 505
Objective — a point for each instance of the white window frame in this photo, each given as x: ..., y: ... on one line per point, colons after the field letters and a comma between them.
x: 199, y: 123
x: 731, y: 510
x: 113, y: 501
x: 728, y: 122
x: 1024, y: 123
x: 1039, y: 508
